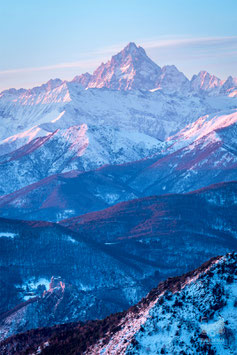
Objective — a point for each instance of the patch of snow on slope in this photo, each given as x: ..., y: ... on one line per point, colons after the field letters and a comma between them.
x: 203, y: 127
x: 8, y: 235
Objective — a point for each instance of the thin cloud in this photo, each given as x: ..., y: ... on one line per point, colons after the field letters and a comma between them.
x: 94, y: 58
x: 189, y: 41
x: 79, y: 64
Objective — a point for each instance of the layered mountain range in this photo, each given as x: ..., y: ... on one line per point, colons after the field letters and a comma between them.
x: 133, y: 80
x: 195, y: 313
x: 123, y: 250
x: 109, y: 184
x: 132, y: 69
x: 201, y: 154
x: 121, y: 117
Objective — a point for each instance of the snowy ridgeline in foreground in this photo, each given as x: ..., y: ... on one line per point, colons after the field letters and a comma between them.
x: 196, y: 313
x: 192, y: 314
x: 122, y: 251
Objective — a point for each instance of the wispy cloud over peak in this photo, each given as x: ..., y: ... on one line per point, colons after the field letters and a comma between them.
x: 182, y: 41
x: 162, y: 50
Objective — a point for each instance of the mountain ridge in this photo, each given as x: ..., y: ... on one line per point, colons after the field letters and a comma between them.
x: 145, y: 327
x: 202, y: 154
x: 131, y: 69
x: 125, y: 249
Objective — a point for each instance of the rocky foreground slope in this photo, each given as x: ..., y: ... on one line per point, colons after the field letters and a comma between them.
x: 192, y: 314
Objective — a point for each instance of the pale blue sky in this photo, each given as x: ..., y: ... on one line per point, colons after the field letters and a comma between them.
x: 57, y: 38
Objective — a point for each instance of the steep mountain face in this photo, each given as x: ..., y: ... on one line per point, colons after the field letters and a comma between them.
x: 129, y: 69
x: 125, y: 249
x: 76, y: 148
x: 82, y: 79
x: 205, y: 82
x: 200, y: 155
x: 23, y: 111
x: 171, y: 80
x: 194, y: 313
x: 132, y: 69
x: 27, y: 114
x: 229, y: 87
x: 209, y: 159
x: 203, y: 127
x: 61, y: 127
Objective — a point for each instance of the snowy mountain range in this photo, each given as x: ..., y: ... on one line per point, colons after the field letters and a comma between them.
x: 133, y: 80
x: 201, y: 154
x: 109, y: 184
x: 80, y: 148
x: 120, y: 115
x: 132, y: 69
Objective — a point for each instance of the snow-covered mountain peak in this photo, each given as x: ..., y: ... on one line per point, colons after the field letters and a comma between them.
x: 130, y: 69
x: 229, y: 84
x: 172, y: 80
x: 133, y: 51
x: 229, y: 87
x: 50, y: 85
x: 205, y: 82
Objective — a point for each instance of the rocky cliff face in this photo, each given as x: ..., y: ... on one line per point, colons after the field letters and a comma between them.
x: 132, y: 69
x: 129, y: 69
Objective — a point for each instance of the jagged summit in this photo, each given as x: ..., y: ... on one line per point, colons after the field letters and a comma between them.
x: 172, y: 80
x: 133, y: 56
x: 132, y: 48
x: 204, y: 81
x: 130, y: 69
x: 134, y: 51
x: 229, y: 84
